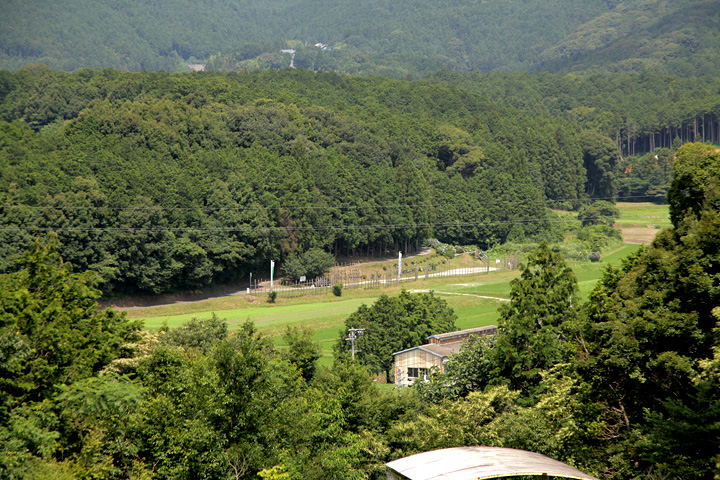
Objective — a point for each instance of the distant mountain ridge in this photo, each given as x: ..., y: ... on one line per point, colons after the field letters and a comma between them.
x: 387, y: 37
x: 679, y: 38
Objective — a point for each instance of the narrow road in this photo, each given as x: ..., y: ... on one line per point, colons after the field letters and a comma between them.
x: 462, y: 294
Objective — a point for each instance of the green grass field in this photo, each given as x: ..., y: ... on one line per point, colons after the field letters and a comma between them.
x: 325, y: 315
x: 643, y: 214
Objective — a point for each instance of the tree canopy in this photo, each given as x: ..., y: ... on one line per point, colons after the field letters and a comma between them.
x: 623, y: 385
x: 166, y: 182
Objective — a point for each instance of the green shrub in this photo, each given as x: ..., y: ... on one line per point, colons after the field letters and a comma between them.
x: 311, y: 264
x: 272, y: 296
x: 337, y: 290
x: 599, y: 213
x: 576, y: 251
x: 597, y: 237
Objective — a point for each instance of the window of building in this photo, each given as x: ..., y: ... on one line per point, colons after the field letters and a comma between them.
x: 414, y: 372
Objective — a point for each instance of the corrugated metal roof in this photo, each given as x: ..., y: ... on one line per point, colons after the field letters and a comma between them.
x: 435, y: 349
x: 475, y: 463
x: 443, y: 350
x: 467, y: 332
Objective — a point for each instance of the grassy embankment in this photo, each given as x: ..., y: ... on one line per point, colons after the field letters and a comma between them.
x: 326, y: 314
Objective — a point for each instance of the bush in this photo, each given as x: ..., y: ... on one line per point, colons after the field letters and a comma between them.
x: 337, y: 290
x: 597, y: 237
x: 450, y: 251
x: 199, y: 334
x: 272, y: 296
x: 574, y: 251
x: 599, y: 213
x: 310, y: 264
x: 594, y: 257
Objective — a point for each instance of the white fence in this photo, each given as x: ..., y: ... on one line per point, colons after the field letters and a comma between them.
x: 352, y: 277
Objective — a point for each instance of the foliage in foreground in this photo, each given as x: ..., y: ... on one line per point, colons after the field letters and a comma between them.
x: 641, y: 352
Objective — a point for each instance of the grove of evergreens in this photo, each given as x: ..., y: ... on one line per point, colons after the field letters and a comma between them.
x: 163, y: 182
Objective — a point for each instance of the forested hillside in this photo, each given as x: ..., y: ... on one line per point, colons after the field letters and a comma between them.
x: 639, y: 112
x: 390, y: 38
x: 166, y: 181
x: 172, y: 181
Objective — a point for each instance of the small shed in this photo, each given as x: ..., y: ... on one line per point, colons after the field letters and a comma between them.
x: 416, y: 362
x: 476, y: 463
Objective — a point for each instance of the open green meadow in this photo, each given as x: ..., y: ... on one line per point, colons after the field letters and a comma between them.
x: 475, y: 299
x: 643, y: 214
x: 635, y: 214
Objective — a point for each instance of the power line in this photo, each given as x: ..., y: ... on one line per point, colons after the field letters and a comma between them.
x: 245, y: 229
x: 329, y: 207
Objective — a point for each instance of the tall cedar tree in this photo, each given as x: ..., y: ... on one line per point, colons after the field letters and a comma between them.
x: 532, y: 327
x: 50, y: 327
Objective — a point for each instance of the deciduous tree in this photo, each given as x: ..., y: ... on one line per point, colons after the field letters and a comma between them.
x: 394, y: 323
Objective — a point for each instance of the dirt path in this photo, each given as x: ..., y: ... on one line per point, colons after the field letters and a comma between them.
x: 462, y: 294
x: 144, y: 301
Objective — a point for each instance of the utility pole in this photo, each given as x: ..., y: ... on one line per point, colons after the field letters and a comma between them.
x: 353, y: 334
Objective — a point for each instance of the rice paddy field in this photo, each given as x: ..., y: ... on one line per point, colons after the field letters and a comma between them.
x: 643, y: 214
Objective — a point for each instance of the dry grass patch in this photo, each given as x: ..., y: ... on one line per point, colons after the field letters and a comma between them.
x: 639, y: 235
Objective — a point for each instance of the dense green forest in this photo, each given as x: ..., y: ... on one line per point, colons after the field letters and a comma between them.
x: 640, y: 113
x: 382, y: 37
x: 465, y: 122
x: 165, y: 181
x: 622, y: 386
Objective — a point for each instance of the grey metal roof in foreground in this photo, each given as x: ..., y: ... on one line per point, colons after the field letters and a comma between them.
x: 474, y: 463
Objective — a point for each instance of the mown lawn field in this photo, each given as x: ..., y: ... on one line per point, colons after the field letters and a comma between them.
x: 475, y: 299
